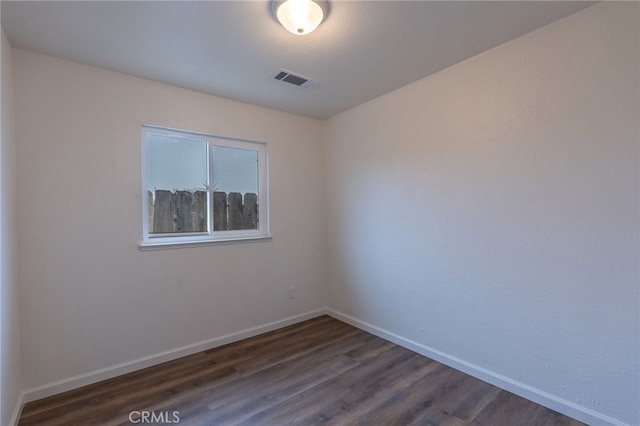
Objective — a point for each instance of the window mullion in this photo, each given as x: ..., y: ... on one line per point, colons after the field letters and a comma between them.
x: 210, y: 187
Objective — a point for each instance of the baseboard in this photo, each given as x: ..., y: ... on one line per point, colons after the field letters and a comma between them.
x: 148, y: 361
x: 536, y: 395
x: 17, y: 411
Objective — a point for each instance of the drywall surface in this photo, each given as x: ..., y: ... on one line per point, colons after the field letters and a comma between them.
x: 490, y: 211
x: 10, y: 375
x: 91, y: 299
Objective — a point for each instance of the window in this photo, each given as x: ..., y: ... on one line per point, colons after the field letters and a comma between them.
x: 200, y: 189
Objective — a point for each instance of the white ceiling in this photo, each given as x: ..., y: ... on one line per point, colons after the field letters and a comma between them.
x: 234, y: 48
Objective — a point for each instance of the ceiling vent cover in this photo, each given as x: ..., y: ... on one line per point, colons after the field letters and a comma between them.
x: 295, y: 79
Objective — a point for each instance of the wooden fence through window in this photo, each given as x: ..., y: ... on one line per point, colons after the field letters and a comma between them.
x: 186, y: 211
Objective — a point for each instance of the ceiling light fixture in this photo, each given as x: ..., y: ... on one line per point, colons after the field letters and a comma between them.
x: 300, y: 16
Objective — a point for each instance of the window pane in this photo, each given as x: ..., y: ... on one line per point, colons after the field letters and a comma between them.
x: 235, y: 185
x: 178, y: 181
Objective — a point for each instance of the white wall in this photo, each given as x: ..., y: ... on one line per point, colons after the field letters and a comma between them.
x: 10, y: 372
x: 91, y: 299
x: 490, y: 212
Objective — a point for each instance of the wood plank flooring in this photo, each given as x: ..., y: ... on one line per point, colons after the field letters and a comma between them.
x: 320, y: 371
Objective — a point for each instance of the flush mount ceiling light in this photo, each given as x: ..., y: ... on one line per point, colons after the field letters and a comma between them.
x: 299, y: 16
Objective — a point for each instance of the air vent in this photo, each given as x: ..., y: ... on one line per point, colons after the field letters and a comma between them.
x: 295, y: 79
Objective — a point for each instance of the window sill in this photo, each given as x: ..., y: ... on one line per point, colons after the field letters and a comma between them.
x: 149, y: 246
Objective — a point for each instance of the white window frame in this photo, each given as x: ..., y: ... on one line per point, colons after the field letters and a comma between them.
x: 165, y: 241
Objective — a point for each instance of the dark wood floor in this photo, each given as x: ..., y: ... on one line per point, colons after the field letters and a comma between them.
x: 318, y: 371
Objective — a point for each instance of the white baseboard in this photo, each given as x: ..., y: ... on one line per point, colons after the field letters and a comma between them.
x: 148, y: 361
x: 536, y: 395
x: 17, y: 411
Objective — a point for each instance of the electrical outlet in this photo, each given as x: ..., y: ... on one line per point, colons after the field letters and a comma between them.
x: 292, y: 292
